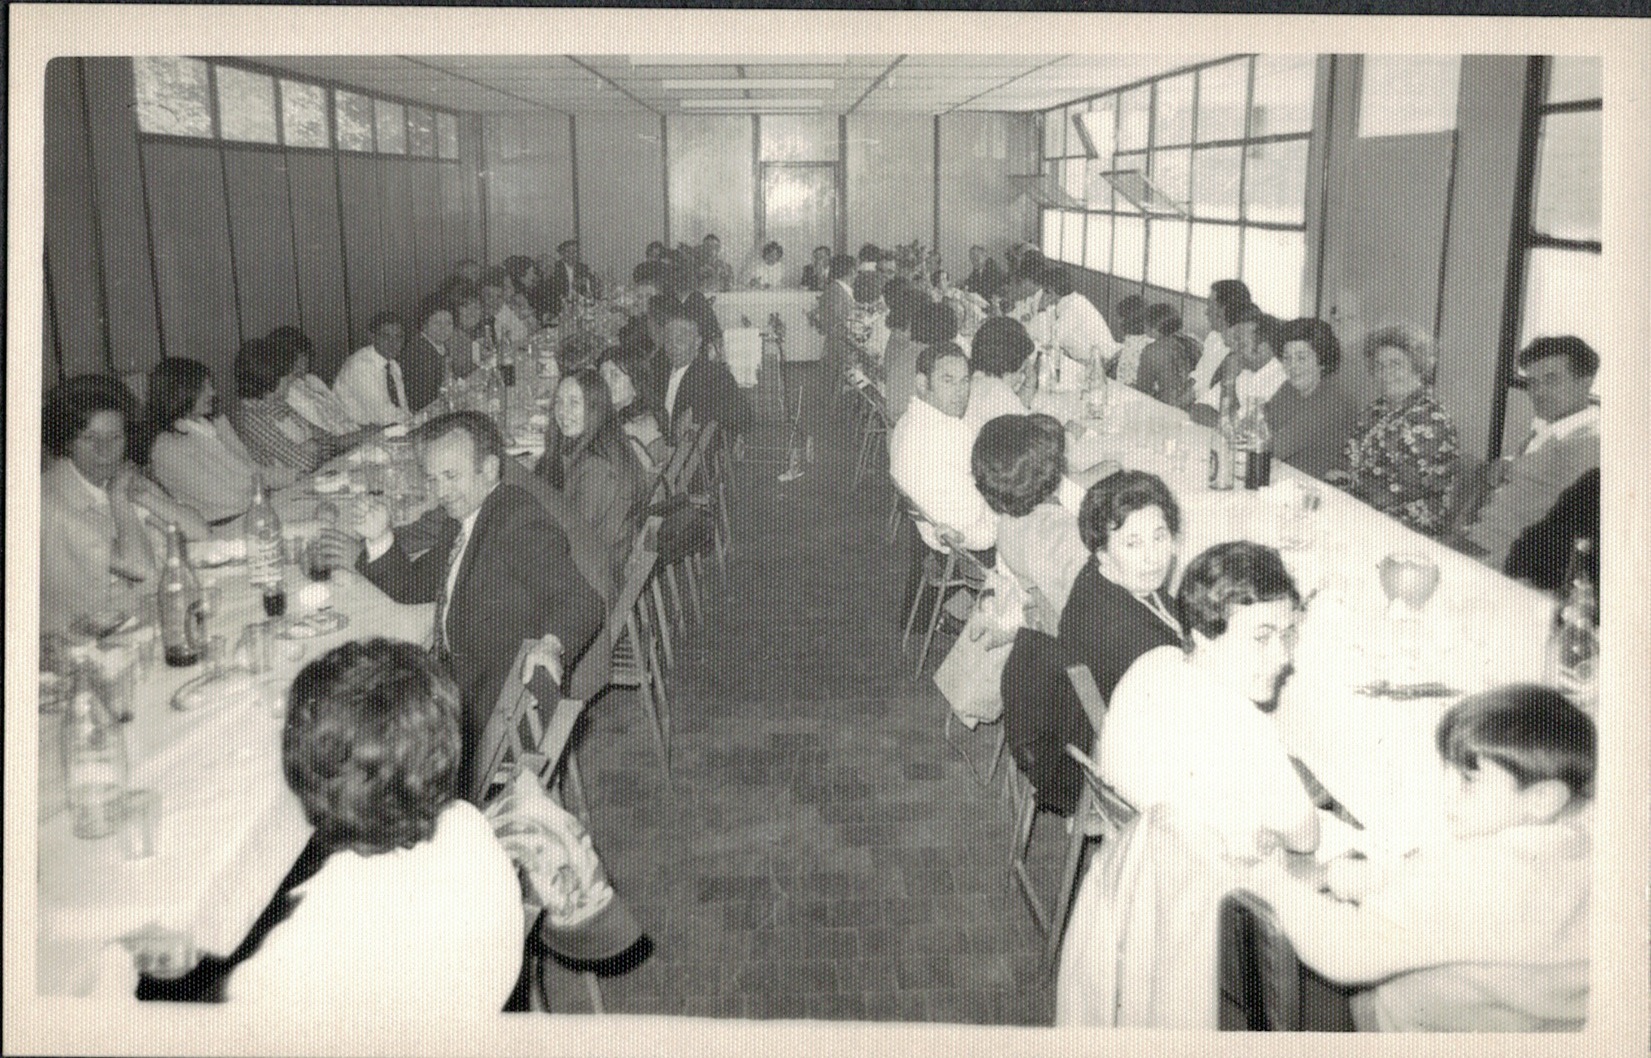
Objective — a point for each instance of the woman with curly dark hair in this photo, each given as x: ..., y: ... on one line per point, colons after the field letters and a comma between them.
x: 417, y: 906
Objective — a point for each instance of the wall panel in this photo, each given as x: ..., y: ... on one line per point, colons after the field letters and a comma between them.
x: 71, y: 227
x: 358, y: 202
x: 401, y: 214
x: 430, y: 265
x: 977, y: 154
x: 129, y: 282
x: 190, y: 228
x: 313, y: 181
x: 889, y: 179
x: 621, y: 190
x: 529, y: 184
x: 260, y: 228
x: 712, y: 187
x: 459, y: 237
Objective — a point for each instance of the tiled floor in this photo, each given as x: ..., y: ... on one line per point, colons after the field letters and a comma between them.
x: 821, y: 851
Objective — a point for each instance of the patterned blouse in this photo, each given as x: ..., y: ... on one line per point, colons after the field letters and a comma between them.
x: 1403, y: 458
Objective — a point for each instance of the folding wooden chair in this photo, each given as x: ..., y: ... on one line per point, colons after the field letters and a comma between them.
x: 874, y: 429
x: 636, y: 660
x: 955, y: 568
x: 520, y: 735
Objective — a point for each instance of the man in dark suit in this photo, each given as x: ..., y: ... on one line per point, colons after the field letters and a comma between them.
x: 568, y: 276
x: 985, y: 277
x: 424, y: 360
x: 688, y: 382
x: 498, y: 567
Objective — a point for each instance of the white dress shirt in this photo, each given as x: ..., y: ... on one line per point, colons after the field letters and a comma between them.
x: 362, y: 386
x: 929, y: 453
x: 1252, y: 384
x: 1561, y: 429
x: 989, y: 397
x: 673, y: 385
x: 1078, y: 326
x: 1215, y: 351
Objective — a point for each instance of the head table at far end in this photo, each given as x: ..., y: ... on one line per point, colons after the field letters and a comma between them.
x: 1480, y: 628
x: 228, y: 828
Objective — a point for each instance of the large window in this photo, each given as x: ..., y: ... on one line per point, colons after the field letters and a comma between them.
x: 181, y: 96
x: 1557, y: 278
x: 1227, y: 143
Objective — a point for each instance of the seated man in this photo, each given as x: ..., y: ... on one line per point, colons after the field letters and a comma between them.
x: 1440, y: 949
x: 501, y: 571
x: 1253, y: 365
x: 569, y: 276
x: 693, y: 383
x: 1564, y: 444
x: 930, y: 450
x: 370, y: 383
x: 998, y: 353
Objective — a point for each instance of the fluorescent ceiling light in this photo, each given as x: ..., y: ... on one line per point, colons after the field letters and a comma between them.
x: 736, y: 60
x: 778, y: 84
x: 751, y: 104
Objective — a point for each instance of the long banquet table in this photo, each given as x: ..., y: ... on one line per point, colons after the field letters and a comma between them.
x: 1374, y: 754
x: 229, y: 828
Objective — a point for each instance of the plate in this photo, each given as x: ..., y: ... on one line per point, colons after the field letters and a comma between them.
x: 313, y: 624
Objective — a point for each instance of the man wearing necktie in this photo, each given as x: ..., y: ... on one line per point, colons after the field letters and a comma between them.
x: 499, y: 570
x: 370, y: 383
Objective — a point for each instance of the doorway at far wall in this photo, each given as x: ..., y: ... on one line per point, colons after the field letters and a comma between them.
x: 800, y: 210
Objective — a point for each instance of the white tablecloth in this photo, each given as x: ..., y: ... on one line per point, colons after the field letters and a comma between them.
x: 229, y: 827
x: 1480, y: 629
x: 802, y: 342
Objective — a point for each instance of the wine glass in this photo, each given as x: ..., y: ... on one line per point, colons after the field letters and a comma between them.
x: 1409, y: 580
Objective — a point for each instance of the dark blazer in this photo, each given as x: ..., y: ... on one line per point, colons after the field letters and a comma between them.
x: 709, y: 389
x: 557, y: 286
x: 815, y: 279
x: 1543, y: 550
x: 517, y: 581
x: 421, y: 371
x: 987, y: 280
x: 1104, y: 627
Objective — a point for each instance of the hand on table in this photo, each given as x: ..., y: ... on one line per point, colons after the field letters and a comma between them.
x: 160, y: 952
x: 546, y: 654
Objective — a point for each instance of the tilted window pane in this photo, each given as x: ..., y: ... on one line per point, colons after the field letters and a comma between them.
x: 1275, y: 185
x: 1054, y: 133
x: 171, y: 95
x: 447, y: 135
x: 1273, y: 262
x: 1574, y: 77
x: 1215, y: 173
x: 1221, y: 100
x: 1072, y: 237
x: 355, y: 121
x: 1283, y: 94
x: 1134, y: 118
x: 1213, y: 255
x: 1403, y: 95
x: 246, y: 106
x: 1167, y: 254
x: 1172, y: 172
x: 1073, y: 172
x: 421, y: 132
x: 1097, y: 243
x: 1098, y: 191
x: 1129, y: 240
x: 1173, y: 120
x: 1568, y: 176
x: 304, y: 114
x: 392, y: 127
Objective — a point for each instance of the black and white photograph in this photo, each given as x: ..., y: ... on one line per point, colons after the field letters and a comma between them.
x: 674, y: 532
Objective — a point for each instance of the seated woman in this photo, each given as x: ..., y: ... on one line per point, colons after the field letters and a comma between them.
x: 416, y: 907
x: 1310, y: 416
x: 863, y: 325
x: 588, y: 457
x: 1185, y: 727
x: 998, y: 354
x: 95, y: 553
x: 627, y: 374
x: 265, y: 374
x: 1018, y: 463
x: 308, y: 395
x: 1403, y: 454
x: 1116, y: 611
x: 767, y: 272
x: 1164, y: 368
x: 194, y: 453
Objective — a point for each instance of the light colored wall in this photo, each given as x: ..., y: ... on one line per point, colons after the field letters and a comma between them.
x: 621, y: 189
x: 889, y: 180
x: 529, y: 182
x: 977, y: 206
x: 712, y: 189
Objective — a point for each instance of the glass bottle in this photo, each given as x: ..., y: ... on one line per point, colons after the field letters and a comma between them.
x: 1224, y: 441
x: 1257, y: 440
x: 495, y: 398
x: 179, y: 598
x: 262, y: 528
x: 1095, y: 386
x: 1572, y: 657
x: 94, y: 754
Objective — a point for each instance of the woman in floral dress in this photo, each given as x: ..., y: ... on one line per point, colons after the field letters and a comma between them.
x: 1403, y: 456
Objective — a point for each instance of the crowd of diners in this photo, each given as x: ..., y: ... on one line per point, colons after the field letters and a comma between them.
x: 1186, y: 674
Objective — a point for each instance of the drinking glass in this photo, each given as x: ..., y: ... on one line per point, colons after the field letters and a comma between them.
x: 140, y: 813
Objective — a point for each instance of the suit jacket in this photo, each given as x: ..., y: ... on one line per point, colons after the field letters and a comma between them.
x: 421, y: 372
x: 987, y: 280
x: 517, y: 580
x: 709, y: 389
x: 557, y: 288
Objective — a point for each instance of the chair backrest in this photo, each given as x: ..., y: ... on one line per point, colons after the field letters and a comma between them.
x: 1117, y: 810
x: 1260, y: 973
x: 522, y: 732
x: 637, y: 571
x: 1089, y: 695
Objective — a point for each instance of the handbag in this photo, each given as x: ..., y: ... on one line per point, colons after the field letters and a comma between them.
x: 971, y: 675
